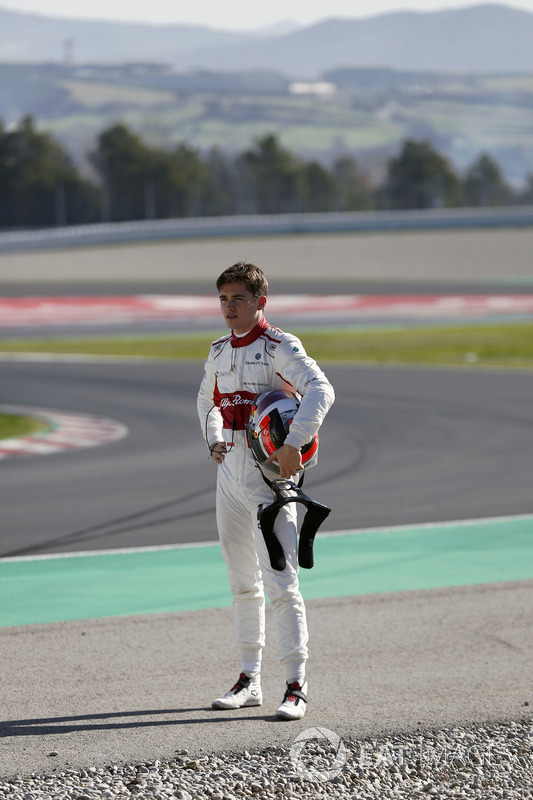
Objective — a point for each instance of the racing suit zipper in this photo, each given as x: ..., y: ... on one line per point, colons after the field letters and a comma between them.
x: 237, y: 368
x: 233, y: 369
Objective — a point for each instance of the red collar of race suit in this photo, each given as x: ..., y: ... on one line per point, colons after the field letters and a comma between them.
x: 251, y: 336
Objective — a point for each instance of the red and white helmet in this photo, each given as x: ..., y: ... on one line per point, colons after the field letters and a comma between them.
x: 270, y: 420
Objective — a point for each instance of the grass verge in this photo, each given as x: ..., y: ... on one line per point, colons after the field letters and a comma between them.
x: 505, y: 345
x: 18, y: 425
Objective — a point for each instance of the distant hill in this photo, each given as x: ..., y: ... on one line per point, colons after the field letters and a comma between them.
x: 33, y: 37
x: 481, y: 38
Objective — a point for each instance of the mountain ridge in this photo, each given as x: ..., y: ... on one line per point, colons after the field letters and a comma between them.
x: 483, y: 37
x: 478, y: 38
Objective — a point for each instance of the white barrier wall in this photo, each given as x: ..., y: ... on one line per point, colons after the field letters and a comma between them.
x: 256, y: 225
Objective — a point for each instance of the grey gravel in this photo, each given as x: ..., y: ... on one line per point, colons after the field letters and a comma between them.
x: 492, y: 761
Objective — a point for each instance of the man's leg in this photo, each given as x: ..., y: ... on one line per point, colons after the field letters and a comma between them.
x: 282, y: 587
x: 238, y: 550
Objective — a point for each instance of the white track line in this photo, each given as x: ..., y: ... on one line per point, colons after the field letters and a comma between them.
x: 188, y: 545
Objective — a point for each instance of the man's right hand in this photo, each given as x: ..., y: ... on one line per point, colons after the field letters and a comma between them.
x: 217, y: 452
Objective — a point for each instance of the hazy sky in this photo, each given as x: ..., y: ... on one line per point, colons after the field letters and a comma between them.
x: 236, y: 14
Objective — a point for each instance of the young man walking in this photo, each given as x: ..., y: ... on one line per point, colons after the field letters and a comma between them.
x: 254, y: 358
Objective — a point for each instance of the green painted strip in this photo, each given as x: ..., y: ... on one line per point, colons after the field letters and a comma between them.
x: 424, y: 557
x: 108, y: 585
x: 180, y: 579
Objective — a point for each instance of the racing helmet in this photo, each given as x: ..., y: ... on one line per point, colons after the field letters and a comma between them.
x: 269, y: 423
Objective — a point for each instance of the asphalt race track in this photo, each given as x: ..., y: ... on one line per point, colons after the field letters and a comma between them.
x: 401, y: 445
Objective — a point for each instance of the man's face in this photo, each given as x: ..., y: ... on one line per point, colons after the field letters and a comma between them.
x: 241, y: 310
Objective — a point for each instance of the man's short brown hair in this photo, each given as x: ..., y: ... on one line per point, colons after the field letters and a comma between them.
x: 253, y: 278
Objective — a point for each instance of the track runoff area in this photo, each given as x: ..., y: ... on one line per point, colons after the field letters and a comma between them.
x: 151, y: 580
x: 155, y: 580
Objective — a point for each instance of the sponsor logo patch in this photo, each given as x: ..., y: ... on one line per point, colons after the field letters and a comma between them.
x: 237, y: 400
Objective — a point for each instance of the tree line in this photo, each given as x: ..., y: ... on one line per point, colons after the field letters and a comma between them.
x: 40, y: 186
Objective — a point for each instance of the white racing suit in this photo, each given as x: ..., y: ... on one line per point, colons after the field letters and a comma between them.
x: 238, y: 369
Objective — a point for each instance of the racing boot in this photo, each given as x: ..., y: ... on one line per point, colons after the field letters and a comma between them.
x: 294, y: 701
x: 246, y: 692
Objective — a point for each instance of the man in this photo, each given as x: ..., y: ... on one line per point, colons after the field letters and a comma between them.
x: 252, y: 359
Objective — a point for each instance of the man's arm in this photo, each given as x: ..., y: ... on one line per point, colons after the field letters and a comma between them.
x: 306, y: 377
x: 208, y: 413
x: 317, y: 393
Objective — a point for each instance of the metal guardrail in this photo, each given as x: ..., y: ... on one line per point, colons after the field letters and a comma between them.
x: 265, y: 224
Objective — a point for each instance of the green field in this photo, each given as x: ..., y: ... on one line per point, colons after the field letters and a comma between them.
x: 368, y: 115
x: 502, y: 345
x: 231, y: 122
x: 18, y: 425
x: 493, y: 113
x: 96, y: 95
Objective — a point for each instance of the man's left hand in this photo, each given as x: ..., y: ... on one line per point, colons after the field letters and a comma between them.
x: 289, y: 459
